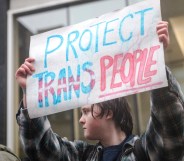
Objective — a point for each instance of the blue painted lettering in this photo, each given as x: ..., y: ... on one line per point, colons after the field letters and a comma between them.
x: 85, y: 41
x: 75, y: 35
x: 97, y: 30
x: 108, y: 31
x: 51, y: 51
x: 142, y: 12
x: 120, y: 28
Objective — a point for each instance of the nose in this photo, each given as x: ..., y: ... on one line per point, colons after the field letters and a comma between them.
x: 82, y: 120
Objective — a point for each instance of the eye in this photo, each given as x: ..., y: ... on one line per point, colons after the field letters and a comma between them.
x: 85, y: 111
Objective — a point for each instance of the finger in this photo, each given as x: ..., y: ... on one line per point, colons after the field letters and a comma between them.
x: 29, y: 65
x: 163, y: 34
x: 164, y: 39
x: 163, y: 31
x: 162, y: 26
x: 30, y: 60
x: 27, y: 69
x: 20, y: 72
x: 163, y: 22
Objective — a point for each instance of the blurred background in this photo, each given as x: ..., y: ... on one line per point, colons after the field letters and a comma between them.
x: 22, y: 18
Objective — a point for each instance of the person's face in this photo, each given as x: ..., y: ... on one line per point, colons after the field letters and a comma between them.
x: 92, y: 126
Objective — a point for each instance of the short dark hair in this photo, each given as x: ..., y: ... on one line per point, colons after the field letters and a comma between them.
x: 121, y: 113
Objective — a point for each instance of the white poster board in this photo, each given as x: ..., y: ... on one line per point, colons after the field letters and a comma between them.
x: 114, y: 55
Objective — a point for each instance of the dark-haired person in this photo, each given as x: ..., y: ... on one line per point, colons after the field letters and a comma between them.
x: 111, y: 124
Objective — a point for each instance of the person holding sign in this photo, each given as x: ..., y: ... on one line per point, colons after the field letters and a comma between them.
x: 110, y: 123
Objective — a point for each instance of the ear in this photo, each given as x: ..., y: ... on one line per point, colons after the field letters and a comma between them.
x: 109, y: 115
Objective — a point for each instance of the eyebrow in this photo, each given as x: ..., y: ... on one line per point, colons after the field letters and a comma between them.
x: 84, y: 108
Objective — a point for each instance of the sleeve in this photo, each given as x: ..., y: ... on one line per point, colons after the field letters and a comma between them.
x: 164, y: 137
x: 40, y: 143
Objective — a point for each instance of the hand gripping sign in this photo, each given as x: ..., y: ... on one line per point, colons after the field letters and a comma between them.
x: 114, y: 55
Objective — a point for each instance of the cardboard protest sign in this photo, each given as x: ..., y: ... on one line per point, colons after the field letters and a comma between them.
x: 114, y: 55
